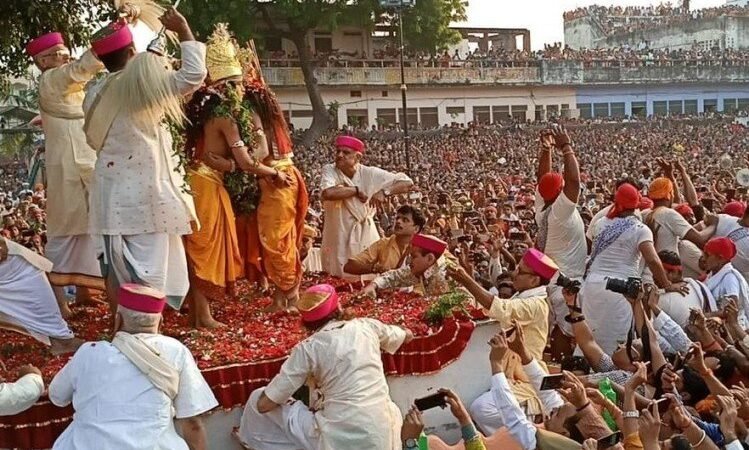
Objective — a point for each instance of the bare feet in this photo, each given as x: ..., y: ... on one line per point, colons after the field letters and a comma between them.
x: 63, y: 346
x: 65, y: 310
x: 278, y: 304
x: 86, y: 296
x: 208, y: 323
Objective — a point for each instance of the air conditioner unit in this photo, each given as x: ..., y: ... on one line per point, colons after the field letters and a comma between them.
x: 397, y: 3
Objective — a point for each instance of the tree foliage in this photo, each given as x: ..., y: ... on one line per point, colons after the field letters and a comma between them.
x: 23, y: 20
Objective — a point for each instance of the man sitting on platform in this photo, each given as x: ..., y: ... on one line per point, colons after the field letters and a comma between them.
x: 27, y: 302
x: 342, y: 359
x: 527, y: 309
x: 425, y: 273
x: 127, y: 393
x: 389, y: 252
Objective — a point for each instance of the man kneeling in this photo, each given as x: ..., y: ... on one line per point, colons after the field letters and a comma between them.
x: 27, y: 302
x: 126, y: 393
x: 352, y: 406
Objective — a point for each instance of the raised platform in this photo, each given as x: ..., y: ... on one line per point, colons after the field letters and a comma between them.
x: 247, y: 353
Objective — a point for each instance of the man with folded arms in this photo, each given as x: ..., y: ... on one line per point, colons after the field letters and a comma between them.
x: 127, y: 393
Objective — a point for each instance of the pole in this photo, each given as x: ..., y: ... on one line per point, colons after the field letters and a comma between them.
x: 406, y: 137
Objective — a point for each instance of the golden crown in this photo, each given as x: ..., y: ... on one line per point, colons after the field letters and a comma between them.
x: 250, y: 63
x: 221, y: 58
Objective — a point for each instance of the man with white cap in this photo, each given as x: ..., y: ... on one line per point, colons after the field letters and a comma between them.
x: 342, y: 363
x: 27, y: 303
x: 350, y: 193
x: 128, y: 393
x: 69, y: 163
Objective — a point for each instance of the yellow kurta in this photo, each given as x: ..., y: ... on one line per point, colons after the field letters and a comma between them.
x: 68, y: 158
x: 213, y: 251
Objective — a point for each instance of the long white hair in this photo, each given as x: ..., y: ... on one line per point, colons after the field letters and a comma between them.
x: 146, y: 90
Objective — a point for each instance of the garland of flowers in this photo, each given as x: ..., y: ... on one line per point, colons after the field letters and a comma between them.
x: 445, y: 306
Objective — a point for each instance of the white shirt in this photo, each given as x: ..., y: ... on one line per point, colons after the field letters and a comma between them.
x: 565, y: 240
x: 677, y: 306
x: 21, y: 395
x: 727, y: 225
x: 669, y: 331
x: 118, y: 408
x: 729, y: 282
x: 622, y: 258
x: 671, y: 227
x: 690, y: 256
x: 137, y: 187
x: 549, y: 398
x: 512, y: 415
x: 343, y: 363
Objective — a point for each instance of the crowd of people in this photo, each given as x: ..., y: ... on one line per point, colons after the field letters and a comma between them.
x: 626, y: 19
x: 619, y: 251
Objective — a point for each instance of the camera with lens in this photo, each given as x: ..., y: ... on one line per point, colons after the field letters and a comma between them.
x: 570, y: 285
x: 629, y: 288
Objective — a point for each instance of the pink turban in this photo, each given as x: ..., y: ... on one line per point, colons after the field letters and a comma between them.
x: 44, y: 42
x: 141, y: 298
x: 429, y: 243
x: 541, y: 264
x: 350, y: 142
x: 113, y: 37
x: 317, y: 302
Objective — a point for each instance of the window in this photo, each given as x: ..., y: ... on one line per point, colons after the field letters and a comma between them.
x: 323, y: 43
x: 600, y: 110
x: 429, y: 117
x: 539, y: 113
x: 301, y: 113
x: 455, y: 110
x: 386, y: 116
x: 743, y: 104
x: 273, y: 44
x: 586, y: 111
x: 690, y: 106
x: 729, y: 104
x: 660, y: 108
x: 710, y: 105
x: 639, y: 109
x: 482, y: 114
x: 675, y: 107
x: 617, y: 109
x: 357, y: 117
x: 518, y: 112
x: 413, y: 117
x: 355, y: 93
x: 552, y: 111
x: 384, y: 93
x: 500, y: 113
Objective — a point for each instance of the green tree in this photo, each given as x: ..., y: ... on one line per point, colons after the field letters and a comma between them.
x: 427, y: 25
x: 23, y: 20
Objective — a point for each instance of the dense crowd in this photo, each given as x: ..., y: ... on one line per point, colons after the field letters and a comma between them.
x: 626, y: 19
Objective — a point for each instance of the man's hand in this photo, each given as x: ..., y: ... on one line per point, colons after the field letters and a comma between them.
x: 653, y: 298
x: 282, y: 179
x: 680, y: 417
x: 573, y: 390
x: 176, y: 22
x: 456, y: 407
x: 741, y: 394
x: 680, y: 287
x: 458, y: 273
x: 561, y: 137
x: 649, y: 424
x: 377, y: 199
x: 595, y: 396
x: 27, y: 369
x: 362, y: 196
x: 731, y: 311
x: 517, y: 344
x: 640, y: 377
x: 370, y: 290
x: 669, y: 378
x: 413, y: 425
x: 728, y: 415
x: 698, y: 358
x: 547, y: 139
x: 218, y: 162
x: 667, y: 168
x: 570, y: 299
x: 3, y: 249
x: 590, y: 444
x: 498, y: 352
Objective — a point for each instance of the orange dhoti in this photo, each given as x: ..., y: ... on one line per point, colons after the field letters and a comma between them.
x: 274, y: 232
x: 213, y: 251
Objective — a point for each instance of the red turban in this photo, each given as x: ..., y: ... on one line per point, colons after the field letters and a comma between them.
x: 684, y: 209
x: 645, y: 203
x: 735, y: 209
x: 722, y: 247
x: 550, y: 186
x: 627, y: 197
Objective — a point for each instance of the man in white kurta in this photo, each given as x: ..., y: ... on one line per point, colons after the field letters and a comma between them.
x: 343, y: 364
x: 350, y: 191
x: 139, y: 200
x: 21, y: 395
x: 27, y: 303
x: 69, y: 163
x: 127, y: 393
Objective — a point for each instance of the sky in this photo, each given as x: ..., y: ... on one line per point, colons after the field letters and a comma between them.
x: 544, y: 17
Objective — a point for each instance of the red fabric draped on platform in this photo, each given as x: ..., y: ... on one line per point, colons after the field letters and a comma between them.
x: 39, y: 426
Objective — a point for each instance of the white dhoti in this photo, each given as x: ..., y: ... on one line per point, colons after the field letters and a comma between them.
x: 27, y: 301
x: 608, y: 314
x: 75, y: 261
x: 157, y: 260
x: 291, y: 426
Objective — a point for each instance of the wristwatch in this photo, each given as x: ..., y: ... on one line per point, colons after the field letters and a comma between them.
x: 631, y: 414
x: 386, y: 191
x: 411, y: 443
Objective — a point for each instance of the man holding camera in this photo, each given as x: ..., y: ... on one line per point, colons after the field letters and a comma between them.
x: 561, y: 232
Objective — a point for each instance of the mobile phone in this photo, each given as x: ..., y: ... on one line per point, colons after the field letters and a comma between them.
x: 662, y: 404
x: 430, y: 401
x: 517, y: 236
x: 551, y: 382
x: 610, y: 440
x: 678, y: 362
